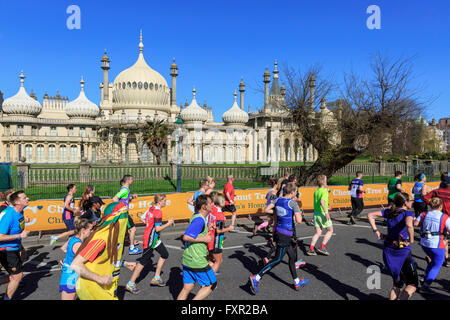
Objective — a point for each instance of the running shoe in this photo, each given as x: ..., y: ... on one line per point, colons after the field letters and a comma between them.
x: 158, y: 282
x: 445, y: 264
x: 351, y: 221
x: 426, y: 290
x: 133, y: 289
x: 300, y: 263
x: 301, y: 283
x: 323, y: 251
x: 135, y: 251
x: 53, y: 240
x: 310, y: 252
x: 254, y: 284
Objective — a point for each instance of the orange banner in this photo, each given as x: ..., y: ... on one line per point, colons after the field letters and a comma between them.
x: 47, y: 214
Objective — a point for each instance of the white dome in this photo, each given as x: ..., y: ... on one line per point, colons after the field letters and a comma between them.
x: 22, y: 103
x: 235, y: 115
x: 141, y: 87
x: 194, y: 113
x: 81, y: 107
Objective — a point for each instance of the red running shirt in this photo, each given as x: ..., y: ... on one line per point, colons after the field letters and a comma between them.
x: 230, y: 189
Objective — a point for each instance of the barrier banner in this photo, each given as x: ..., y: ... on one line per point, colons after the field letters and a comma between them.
x: 47, y: 214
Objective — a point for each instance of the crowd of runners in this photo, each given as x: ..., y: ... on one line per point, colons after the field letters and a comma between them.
x: 96, y: 240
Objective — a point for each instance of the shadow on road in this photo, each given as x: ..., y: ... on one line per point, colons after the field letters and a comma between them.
x: 337, y: 286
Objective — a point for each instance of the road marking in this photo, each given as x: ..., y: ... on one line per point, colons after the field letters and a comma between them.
x: 173, y: 247
x: 263, y: 243
x: 43, y: 270
x: 355, y: 225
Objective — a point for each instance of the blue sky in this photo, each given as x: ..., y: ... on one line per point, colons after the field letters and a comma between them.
x: 215, y: 43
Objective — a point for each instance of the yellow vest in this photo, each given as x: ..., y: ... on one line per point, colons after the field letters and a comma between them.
x: 91, y: 290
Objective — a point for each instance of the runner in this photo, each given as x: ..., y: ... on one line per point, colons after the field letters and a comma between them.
x: 12, y: 231
x: 93, y: 209
x: 124, y: 196
x: 270, y: 197
x: 397, y: 249
x: 69, y: 277
x: 203, y: 186
x: 282, y: 182
x: 356, y: 197
x: 97, y: 261
x: 153, y: 227
x: 229, y: 194
x: 88, y: 192
x: 394, y: 186
x: 443, y: 192
x: 419, y: 190
x: 434, y: 228
x: 210, y: 184
x: 69, y: 213
x: 218, y: 222
x: 286, y: 209
x: 194, y: 262
x: 322, y: 219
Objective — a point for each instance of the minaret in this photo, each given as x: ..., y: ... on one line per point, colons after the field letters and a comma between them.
x: 242, y: 90
x: 174, y: 74
x: 266, y: 88
x: 105, y: 67
x: 283, y: 92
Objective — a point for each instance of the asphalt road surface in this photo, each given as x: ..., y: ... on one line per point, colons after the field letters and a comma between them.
x: 344, y: 275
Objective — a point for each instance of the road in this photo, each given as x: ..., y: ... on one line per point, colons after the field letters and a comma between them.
x: 341, y: 276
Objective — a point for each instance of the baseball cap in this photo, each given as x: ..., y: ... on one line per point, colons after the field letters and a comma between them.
x: 96, y: 199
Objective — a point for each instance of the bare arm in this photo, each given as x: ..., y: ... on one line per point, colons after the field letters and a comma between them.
x: 298, y: 217
x: 115, y: 199
x: 269, y: 208
x: 79, y: 267
x: 372, y: 216
x: 161, y: 228
x: 7, y: 237
x: 410, y: 228
x: 190, y: 201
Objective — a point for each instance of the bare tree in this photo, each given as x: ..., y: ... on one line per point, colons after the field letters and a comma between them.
x: 369, y: 107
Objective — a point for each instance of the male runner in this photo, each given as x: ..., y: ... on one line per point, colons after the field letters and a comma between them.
x: 285, y: 208
x: 12, y: 225
x: 394, y: 186
x: 356, y: 197
x: 195, y: 263
x: 124, y: 196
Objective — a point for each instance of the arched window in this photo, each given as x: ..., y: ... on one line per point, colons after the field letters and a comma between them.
x: 51, y: 153
x: 8, y: 153
x: 62, y: 154
x: 28, y: 153
x: 40, y: 153
x: 73, y: 153
x: 83, y: 132
x: 145, y: 153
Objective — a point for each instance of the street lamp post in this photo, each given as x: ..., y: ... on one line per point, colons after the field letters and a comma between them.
x: 178, y: 124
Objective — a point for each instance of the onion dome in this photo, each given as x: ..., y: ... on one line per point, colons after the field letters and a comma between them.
x: 194, y: 113
x: 141, y: 87
x: 235, y: 115
x: 81, y: 107
x: 22, y: 103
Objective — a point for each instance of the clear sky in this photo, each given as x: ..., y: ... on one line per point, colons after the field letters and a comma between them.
x: 215, y: 43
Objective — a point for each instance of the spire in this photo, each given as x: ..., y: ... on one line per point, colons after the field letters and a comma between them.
x: 141, y: 45
x: 22, y: 77
x: 82, y: 83
x: 235, y: 95
x: 275, y: 71
x: 193, y: 92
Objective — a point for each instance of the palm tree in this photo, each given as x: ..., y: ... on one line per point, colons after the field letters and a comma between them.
x: 156, y: 138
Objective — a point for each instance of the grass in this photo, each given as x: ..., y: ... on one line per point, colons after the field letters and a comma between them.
x: 143, y: 187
